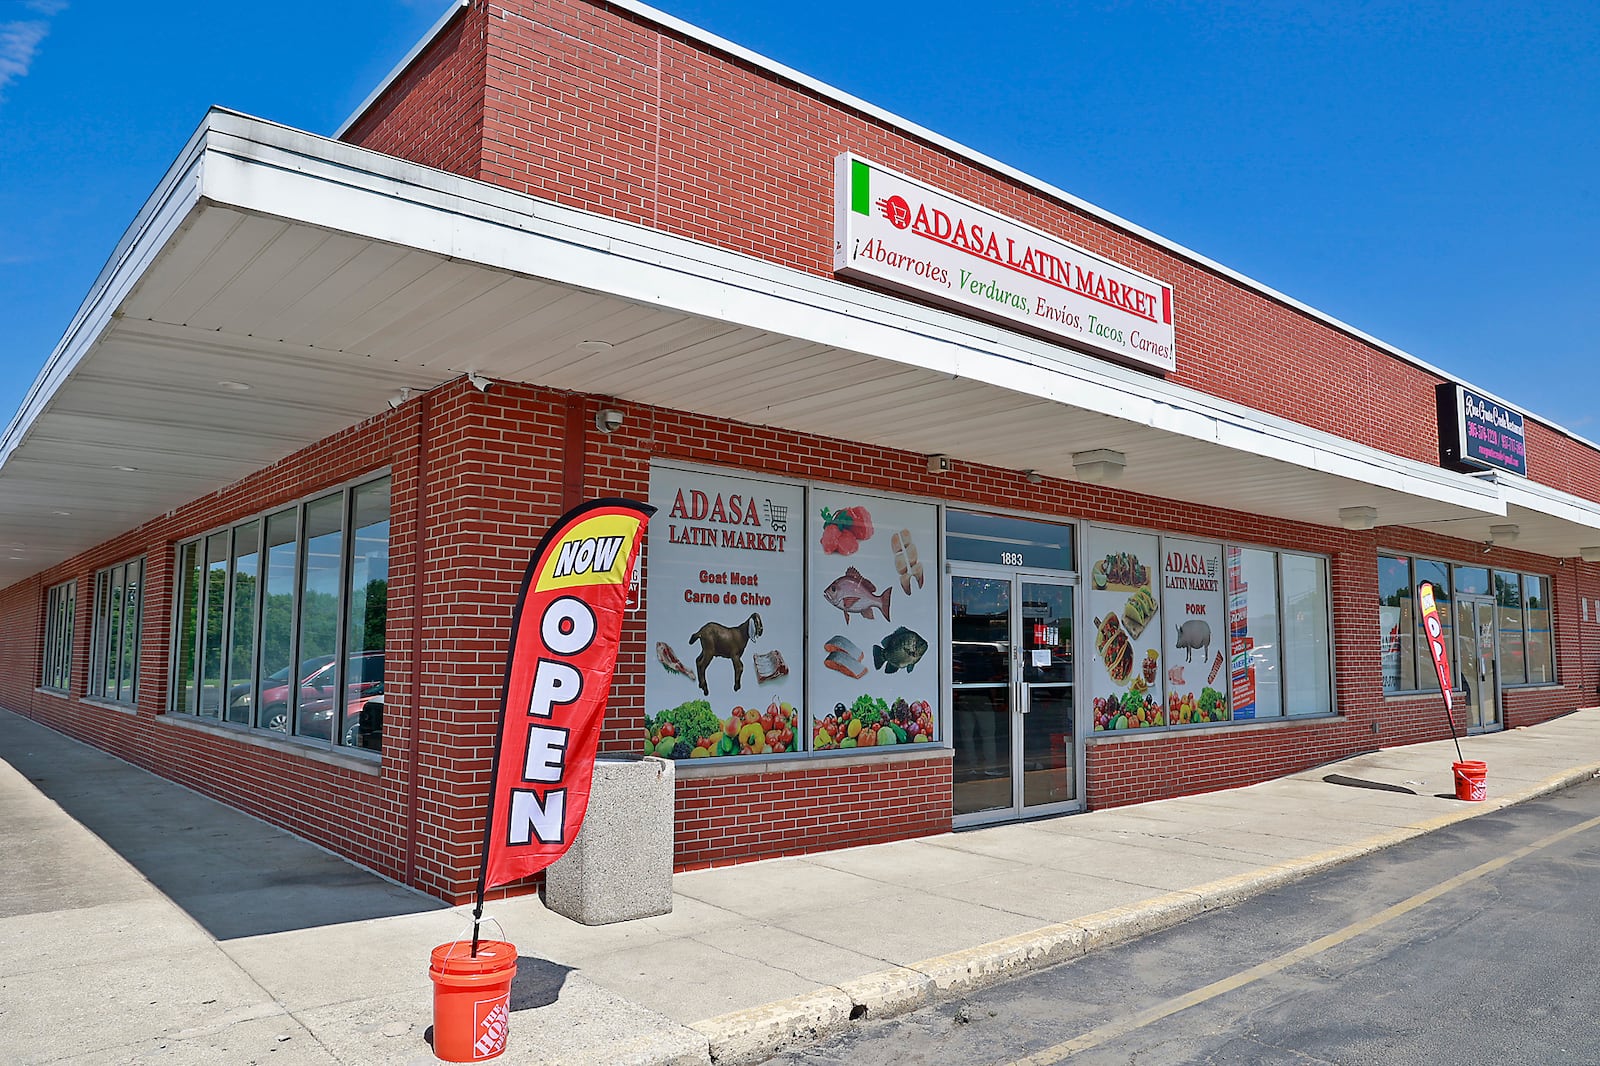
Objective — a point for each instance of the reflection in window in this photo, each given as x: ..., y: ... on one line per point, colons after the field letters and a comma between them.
x: 1541, y: 657
x: 216, y: 594
x: 1396, y: 613
x: 242, y: 625
x: 368, y: 592
x: 114, y: 645
x: 281, y: 619
x: 1259, y: 572
x: 60, y: 607
x: 277, y: 624
x: 315, y: 704
x: 1439, y: 574
x: 1508, y: 613
x: 1308, y: 687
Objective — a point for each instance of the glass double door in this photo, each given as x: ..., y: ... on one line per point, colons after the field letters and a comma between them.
x: 1478, y: 663
x: 1011, y: 670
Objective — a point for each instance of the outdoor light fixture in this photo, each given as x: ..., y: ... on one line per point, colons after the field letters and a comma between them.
x: 1590, y: 555
x: 938, y: 464
x: 608, y: 420
x: 1098, y: 465
x: 1358, y: 517
x: 234, y: 386
x: 1504, y: 534
x: 595, y: 347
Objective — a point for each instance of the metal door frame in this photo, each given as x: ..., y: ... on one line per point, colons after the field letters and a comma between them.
x: 1019, y: 690
x: 1488, y: 603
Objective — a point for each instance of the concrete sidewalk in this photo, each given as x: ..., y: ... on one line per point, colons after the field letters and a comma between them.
x: 143, y: 923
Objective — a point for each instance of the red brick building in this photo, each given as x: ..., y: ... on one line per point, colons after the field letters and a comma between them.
x: 991, y: 504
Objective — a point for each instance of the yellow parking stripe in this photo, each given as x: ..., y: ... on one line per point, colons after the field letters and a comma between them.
x: 1113, y: 1030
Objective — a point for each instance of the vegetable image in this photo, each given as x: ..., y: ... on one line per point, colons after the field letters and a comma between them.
x: 844, y: 529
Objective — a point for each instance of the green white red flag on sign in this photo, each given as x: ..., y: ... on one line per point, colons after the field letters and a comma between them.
x: 565, y: 633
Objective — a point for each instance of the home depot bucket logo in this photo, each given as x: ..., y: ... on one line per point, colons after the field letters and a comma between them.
x: 493, y: 1023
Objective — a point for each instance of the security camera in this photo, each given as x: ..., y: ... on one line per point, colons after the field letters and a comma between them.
x: 478, y: 381
x: 608, y: 420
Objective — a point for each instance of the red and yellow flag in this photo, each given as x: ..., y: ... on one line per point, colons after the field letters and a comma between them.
x: 564, y: 638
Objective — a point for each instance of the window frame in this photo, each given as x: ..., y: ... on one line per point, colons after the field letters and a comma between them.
x: 102, y: 636
x: 345, y: 491
x: 1419, y: 646
x: 59, y: 637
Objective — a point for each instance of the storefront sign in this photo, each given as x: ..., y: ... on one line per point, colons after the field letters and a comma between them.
x: 1476, y: 433
x: 874, y: 599
x: 564, y: 639
x: 725, y: 616
x: 897, y: 231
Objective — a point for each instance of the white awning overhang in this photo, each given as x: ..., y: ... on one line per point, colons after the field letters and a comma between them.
x: 327, y: 278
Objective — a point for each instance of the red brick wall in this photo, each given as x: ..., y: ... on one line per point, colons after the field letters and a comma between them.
x: 342, y: 808
x: 598, y: 109
x: 433, y: 113
x: 486, y: 473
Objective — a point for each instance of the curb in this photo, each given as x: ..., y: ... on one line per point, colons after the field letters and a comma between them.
x: 746, y: 1037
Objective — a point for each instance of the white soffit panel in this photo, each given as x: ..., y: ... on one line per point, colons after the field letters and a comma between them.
x: 330, y: 276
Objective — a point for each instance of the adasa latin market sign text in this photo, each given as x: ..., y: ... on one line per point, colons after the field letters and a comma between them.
x: 901, y: 233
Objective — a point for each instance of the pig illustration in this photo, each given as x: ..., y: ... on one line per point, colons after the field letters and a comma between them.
x: 1195, y: 633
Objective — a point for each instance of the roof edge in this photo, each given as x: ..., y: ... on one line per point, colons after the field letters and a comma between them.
x: 455, y: 8
x: 972, y: 155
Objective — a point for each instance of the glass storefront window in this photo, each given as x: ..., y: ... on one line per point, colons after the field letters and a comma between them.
x: 242, y: 625
x: 1508, y: 613
x: 1264, y: 655
x: 368, y: 614
x: 1306, y: 662
x: 1439, y: 575
x: 1007, y: 541
x: 315, y: 702
x: 188, y: 626
x: 277, y: 623
x: 1472, y: 581
x: 267, y: 606
x: 216, y: 593
x: 1396, y: 610
x: 1541, y: 645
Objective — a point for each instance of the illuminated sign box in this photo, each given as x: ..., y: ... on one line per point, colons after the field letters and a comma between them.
x: 900, y: 233
x: 1477, y: 433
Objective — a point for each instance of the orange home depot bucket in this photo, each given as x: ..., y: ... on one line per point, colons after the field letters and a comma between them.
x: 1472, y: 780
x: 472, y: 999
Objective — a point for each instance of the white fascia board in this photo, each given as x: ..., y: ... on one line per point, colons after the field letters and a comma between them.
x: 160, y: 217
x: 1543, y: 499
x: 972, y: 155
x: 270, y: 169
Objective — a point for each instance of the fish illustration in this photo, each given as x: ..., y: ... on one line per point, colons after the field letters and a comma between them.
x: 900, y: 650
x: 844, y: 645
x: 845, y: 665
x: 854, y: 594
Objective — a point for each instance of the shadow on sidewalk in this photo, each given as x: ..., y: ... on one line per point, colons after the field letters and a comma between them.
x: 236, y: 876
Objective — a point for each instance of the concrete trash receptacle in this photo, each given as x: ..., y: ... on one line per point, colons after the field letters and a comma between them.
x: 620, y: 866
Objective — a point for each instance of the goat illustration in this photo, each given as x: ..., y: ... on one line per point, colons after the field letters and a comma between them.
x: 726, y: 642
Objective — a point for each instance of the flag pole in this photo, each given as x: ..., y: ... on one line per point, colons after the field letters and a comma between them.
x: 499, y: 737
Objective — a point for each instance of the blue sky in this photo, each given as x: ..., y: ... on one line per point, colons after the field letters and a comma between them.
x: 1425, y: 172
